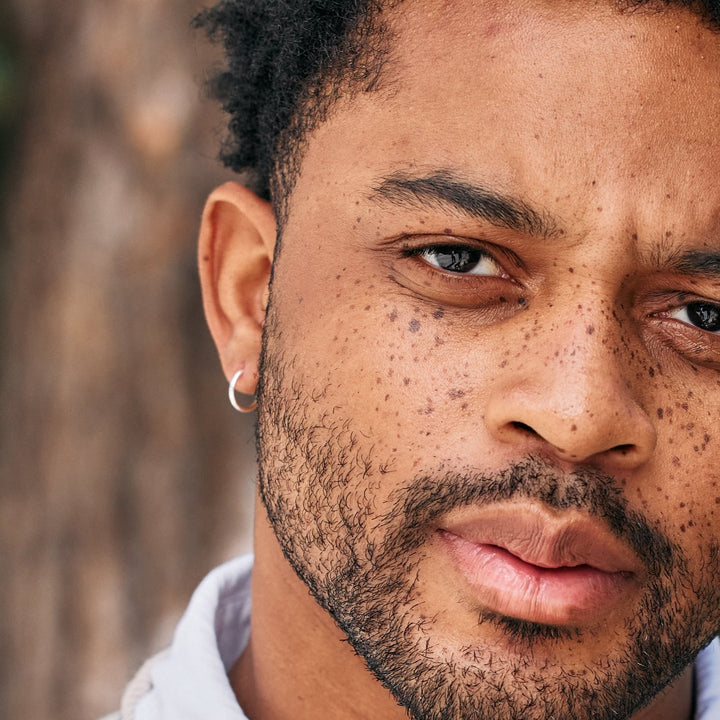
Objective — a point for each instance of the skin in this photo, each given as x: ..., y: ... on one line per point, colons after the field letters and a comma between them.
x: 574, y: 347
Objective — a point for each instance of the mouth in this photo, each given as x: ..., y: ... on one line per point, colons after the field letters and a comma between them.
x: 533, y: 565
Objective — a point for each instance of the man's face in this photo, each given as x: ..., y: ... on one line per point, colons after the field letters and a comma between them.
x: 491, y: 376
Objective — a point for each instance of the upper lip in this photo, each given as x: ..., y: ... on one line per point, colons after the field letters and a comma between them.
x: 543, y: 537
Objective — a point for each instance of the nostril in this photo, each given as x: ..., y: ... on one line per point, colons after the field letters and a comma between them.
x: 624, y: 449
x: 523, y: 427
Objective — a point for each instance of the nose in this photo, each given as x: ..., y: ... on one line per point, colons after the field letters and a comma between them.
x: 574, y: 403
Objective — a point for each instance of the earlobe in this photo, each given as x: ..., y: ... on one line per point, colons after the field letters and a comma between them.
x: 237, y: 241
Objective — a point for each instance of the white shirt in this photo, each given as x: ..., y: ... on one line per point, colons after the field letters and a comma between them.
x: 189, y: 680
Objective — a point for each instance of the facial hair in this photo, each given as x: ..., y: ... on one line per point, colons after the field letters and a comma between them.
x: 317, y: 474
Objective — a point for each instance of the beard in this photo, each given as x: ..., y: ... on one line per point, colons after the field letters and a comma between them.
x: 318, y: 479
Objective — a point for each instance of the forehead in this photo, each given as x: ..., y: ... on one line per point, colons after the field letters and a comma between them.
x: 537, y: 97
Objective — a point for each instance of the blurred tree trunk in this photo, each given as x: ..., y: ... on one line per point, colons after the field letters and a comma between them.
x: 124, y: 474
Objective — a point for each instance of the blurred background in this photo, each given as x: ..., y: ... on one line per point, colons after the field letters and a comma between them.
x: 124, y: 474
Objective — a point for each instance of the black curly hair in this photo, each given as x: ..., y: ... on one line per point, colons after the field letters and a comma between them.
x: 289, y: 60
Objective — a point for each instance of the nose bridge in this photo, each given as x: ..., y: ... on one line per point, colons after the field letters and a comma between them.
x: 587, y: 361
x: 582, y: 398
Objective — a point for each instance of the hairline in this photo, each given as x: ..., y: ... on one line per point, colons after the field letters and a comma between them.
x: 341, y: 82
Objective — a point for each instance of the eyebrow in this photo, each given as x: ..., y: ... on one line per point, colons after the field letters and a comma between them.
x: 444, y: 189
x: 705, y: 263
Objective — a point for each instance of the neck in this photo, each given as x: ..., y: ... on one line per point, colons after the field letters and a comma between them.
x: 297, y: 665
x: 675, y: 702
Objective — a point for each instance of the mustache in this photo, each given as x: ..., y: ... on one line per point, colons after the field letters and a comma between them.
x: 427, y: 497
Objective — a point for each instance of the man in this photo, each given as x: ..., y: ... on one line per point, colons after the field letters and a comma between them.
x: 482, y: 311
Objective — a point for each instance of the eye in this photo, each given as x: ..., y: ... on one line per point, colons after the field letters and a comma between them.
x: 460, y: 260
x: 702, y: 315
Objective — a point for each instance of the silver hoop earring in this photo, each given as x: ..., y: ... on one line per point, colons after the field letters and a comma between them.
x: 233, y: 400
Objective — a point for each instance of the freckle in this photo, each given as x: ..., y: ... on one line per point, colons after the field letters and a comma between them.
x: 387, y: 397
x: 589, y: 329
x: 717, y: 500
x: 682, y: 528
x: 337, y: 277
x: 676, y: 460
x: 439, y: 340
x: 414, y: 326
x: 439, y: 313
x: 406, y: 381
x: 367, y: 307
x: 206, y: 258
x: 448, y: 231
x: 463, y: 406
x: 503, y: 363
x: 392, y: 316
x: 660, y: 413
x: 378, y: 381
x: 300, y: 300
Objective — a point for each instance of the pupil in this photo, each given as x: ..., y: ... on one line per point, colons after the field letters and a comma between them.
x: 705, y: 316
x: 457, y: 259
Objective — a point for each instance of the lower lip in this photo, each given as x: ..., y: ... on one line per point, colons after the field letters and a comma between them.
x: 509, y: 586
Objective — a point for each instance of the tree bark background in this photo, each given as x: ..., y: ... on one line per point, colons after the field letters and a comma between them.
x: 125, y: 475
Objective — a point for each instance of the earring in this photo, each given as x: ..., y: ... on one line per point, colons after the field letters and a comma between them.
x: 233, y: 399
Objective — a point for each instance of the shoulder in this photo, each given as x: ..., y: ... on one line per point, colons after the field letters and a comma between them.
x: 189, y: 679
x: 707, y: 673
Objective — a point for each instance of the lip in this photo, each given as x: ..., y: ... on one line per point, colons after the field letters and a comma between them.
x: 531, y: 564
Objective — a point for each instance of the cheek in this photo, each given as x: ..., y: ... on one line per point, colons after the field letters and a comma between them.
x: 394, y: 369
x: 684, y: 484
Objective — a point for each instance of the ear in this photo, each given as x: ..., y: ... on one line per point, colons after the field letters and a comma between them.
x: 237, y: 241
